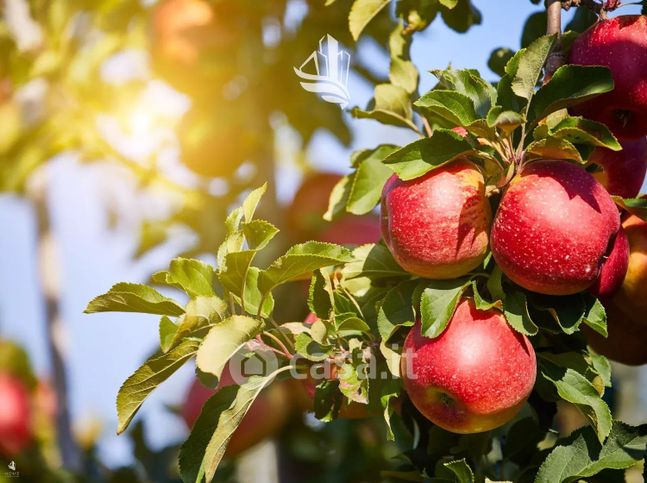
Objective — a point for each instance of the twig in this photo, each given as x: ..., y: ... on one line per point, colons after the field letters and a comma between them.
x: 427, y: 126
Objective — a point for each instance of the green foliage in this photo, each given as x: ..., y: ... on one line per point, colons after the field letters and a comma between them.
x: 201, y: 454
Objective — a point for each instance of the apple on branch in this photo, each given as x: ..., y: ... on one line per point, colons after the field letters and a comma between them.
x: 436, y: 226
x: 623, y: 172
x: 620, y: 44
x: 554, y: 227
x: 475, y: 376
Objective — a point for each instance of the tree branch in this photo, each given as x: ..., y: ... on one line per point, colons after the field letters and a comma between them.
x: 556, y: 59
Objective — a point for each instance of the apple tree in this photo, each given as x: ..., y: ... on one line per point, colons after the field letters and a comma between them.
x: 509, y: 268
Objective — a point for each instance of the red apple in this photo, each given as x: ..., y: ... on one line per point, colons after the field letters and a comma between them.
x: 614, y: 268
x: 631, y: 298
x: 436, y: 226
x: 475, y: 376
x: 626, y: 337
x: 265, y: 417
x: 623, y: 171
x: 15, y: 416
x: 620, y: 44
x: 305, y: 214
x: 553, y: 228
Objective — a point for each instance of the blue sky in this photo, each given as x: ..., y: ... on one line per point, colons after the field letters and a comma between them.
x: 104, y: 349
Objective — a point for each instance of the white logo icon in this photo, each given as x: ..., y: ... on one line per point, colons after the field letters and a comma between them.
x: 331, y: 64
x: 12, y: 466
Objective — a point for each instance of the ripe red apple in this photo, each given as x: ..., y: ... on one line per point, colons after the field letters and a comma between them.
x: 15, y: 416
x: 626, y: 337
x: 436, y: 226
x: 475, y: 376
x: 553, y: 228
x: 265, y: 417
x: 620, y: 44
x: 623, y: 171
x: 631, y: 298
x: 614, y: 268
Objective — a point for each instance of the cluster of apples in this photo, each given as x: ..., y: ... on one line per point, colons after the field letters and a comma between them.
x: 556, y: 231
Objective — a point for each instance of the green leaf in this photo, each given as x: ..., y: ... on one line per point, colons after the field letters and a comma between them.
x: 375, y: 262
x: 459, y: 471
x: 353, y: 383
x: 233, y: 272
x: 351, y: 325
x: 201, y: 313
x: 310, y: 349
x: 570, y: 85
x: 581, y: 455
x: 151, y: 374
x: 202, y: 452
x: 595, y: 315
x: 573, y: 387
x: 508, y: 121
x: 258, y: 233
x: 438, y: 303
x: 396, y: 310
x: 515, y: 309
x: 253, y: 296
x: 468, y: 82
x: 339, y: 198
x: 225, y: 339
x: 451, y: 106
x: 391, y: 105
x: 553, y: 148
x: 133, y: 297
x: 568, y: 311
x: 320, y: 294
x: 369, y: 180
x: 420, y: 157
x: 498, y: 59
x: 361, y: 13
x: 462, y: 16
x: 578, y: 130
x: 481, y: 303
x: 402, y: 72
x: 301, y: 260
x: 530, y: 65
x: 635, y: 206
x: 251, y: 202
x: 167, y: 330
x: 193, y: 276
